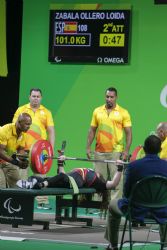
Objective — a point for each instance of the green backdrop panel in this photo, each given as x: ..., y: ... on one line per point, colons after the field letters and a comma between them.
x: 71, y: 92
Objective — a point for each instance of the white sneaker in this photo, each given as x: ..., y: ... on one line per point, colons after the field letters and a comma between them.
x: 26, y: 184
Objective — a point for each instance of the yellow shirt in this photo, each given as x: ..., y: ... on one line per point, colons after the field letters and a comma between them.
x: 110, y: 128
x: 41, y: 120
x: 9, y: 138
x: 163, y: 153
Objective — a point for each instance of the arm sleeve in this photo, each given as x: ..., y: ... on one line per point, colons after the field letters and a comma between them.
x: 94, y: 122
x: 50, y: 121
x: 127, y: 120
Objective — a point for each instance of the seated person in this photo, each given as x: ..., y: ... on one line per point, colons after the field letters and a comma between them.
x: 151, y: 164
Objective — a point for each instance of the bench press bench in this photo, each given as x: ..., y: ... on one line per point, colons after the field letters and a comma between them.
x: 17, y: 205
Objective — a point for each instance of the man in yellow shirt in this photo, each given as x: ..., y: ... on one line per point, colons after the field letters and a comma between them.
x: 162, y: 134
x: 109, y: 123
x: 42, y: 127
x: 12, y: 139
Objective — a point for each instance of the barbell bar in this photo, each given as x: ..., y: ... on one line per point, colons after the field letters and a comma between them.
x: 41, y: 157
x: 81, y: 159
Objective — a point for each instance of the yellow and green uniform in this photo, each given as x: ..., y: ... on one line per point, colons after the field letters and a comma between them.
x: 163, y: 153
x: 111, y: 126
x: 9, y: 173
x: 41, y: 120
x: 9, y: 138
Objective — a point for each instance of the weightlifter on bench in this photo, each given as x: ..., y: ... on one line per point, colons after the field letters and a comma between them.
x: 83, y: 177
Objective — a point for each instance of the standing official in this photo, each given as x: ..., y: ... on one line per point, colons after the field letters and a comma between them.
x: 109, y: 124
x: 42, y: 128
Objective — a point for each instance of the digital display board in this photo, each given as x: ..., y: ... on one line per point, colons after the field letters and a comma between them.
x: 160, y: 1
x: 89, y: 36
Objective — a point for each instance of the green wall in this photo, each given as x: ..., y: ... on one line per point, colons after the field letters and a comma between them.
x: 71, y: 92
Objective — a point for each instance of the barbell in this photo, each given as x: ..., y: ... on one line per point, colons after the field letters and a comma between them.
x: 41, y: 156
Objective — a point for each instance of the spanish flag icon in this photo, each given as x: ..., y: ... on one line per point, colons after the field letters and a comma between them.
x: 70, y: 27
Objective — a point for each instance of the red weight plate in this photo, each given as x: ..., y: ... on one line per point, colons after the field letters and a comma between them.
x: 33, y: 151
x: 137, y: 153
x: 38, y: 151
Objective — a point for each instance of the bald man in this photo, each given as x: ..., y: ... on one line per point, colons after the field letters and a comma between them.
x: 12, y: 139
x: 162, y: 134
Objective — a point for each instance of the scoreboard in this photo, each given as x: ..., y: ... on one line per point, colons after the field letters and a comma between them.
x: 89, y: 36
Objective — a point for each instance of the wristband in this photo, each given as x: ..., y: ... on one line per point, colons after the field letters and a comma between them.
x: 14, y: 156
x: 60, y: 163
x: 15, y: 162
x: 120, y: 168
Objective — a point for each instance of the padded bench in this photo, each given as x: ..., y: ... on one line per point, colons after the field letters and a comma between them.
x: 17, y: 205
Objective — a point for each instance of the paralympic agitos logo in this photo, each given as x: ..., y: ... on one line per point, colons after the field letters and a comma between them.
x: 8, y: 204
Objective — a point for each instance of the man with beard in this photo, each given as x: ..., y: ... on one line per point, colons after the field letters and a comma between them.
x: 109, y: 124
